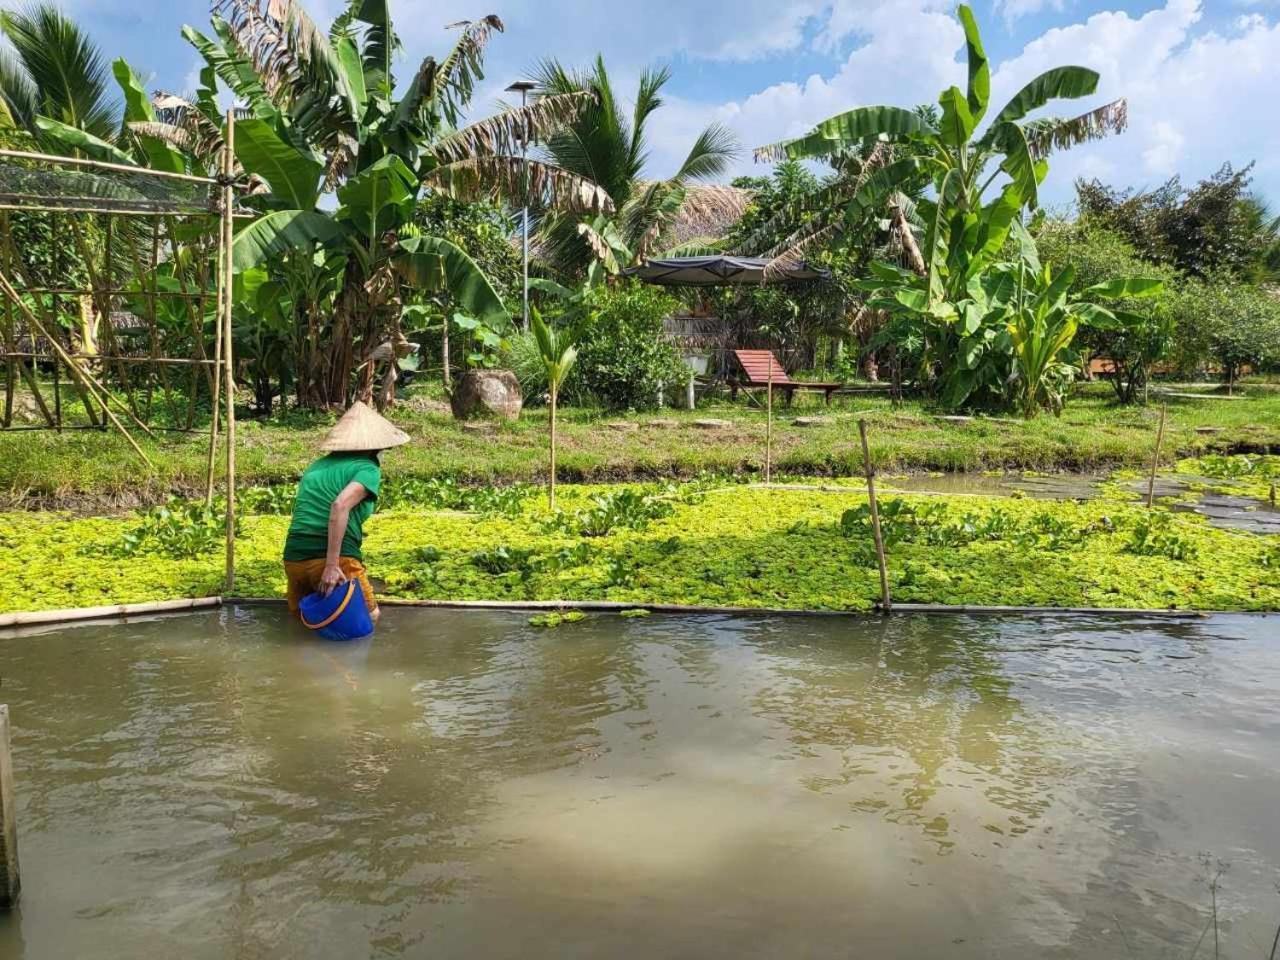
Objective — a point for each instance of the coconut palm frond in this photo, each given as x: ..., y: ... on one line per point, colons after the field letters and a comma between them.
x: 1045, y: 136
x: 181, y: 138
x: 68, y: 78
x: 709, y: 210
x: 711, y: 155
x: 504, y: 132
x: 791, y: 250
x: 17, y: 91
x: 549, y: 187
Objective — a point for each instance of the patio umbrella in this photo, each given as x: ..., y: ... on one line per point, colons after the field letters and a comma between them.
x: 720, y: 271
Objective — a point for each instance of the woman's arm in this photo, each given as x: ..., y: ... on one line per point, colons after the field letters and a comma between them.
x: 339, y: 513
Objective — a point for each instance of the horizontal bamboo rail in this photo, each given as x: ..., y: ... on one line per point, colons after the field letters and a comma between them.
x: 111, y: 358
x: 106, y: 165
x: 90, y: 292
x: 613, y: 606
x: 72, y: 614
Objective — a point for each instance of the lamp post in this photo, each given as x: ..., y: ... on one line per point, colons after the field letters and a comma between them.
x: 523, y: 87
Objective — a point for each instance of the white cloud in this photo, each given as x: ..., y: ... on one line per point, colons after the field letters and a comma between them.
x: 1193, y: 93
x: 1013, y: 9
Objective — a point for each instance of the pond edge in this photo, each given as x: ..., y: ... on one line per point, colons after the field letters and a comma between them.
x: 124, y: 610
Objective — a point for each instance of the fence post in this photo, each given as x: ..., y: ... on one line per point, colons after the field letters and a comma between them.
x: 885, y: 604
x: 10, y: 883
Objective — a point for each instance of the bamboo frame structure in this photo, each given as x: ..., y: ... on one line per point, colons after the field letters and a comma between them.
x: 38, y: 304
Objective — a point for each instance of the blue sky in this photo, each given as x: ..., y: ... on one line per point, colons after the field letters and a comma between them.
x: 1201, y: 76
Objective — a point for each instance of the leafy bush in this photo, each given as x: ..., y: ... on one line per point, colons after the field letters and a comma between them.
x: 624, y: 358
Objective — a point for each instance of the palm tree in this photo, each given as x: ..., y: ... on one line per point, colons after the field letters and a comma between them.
x: 559, y: 351
x: 606, y: 145
x: 53, y: 70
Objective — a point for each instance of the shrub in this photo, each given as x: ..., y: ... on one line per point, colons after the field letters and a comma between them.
x: 624, y: 358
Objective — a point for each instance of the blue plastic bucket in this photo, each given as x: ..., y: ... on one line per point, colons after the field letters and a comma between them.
x: 342, y: 615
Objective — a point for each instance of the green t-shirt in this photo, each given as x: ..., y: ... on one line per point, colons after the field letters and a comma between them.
x: 308, y: 537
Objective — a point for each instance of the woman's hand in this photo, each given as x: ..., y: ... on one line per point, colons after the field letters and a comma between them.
x: 331, y: 577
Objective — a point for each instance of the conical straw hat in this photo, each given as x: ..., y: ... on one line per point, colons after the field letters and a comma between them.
x: 362, y: 429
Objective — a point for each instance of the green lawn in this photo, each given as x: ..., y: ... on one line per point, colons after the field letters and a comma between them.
x: 91, y: 471
x: 690, y: 544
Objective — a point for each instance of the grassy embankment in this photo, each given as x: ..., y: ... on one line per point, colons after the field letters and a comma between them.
x: 95, y: 472
x: 738, y: 545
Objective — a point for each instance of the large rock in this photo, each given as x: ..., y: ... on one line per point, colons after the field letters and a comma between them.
x: 487, y: 393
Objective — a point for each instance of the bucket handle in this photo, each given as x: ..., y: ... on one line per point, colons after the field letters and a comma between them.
x: 351, y: 587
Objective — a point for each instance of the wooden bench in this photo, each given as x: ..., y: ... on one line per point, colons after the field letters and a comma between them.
x: 757, y: 364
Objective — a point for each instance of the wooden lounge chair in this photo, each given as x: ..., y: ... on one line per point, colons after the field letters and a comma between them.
x: 756, y: 365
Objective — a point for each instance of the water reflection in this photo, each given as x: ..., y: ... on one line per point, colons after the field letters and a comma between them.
x: 222, y: 785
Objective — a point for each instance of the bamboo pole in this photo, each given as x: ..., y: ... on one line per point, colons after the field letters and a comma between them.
x: 10, y: 878
x: 170, y: 361
x: 1155, y: 459
x: 768, y: 427
x: 82, y: 376
x: 885, y: 604
x: 215, y: 385
x: 104, y: 165
x: 228, y: 205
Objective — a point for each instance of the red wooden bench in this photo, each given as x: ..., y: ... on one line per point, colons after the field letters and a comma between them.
x: 756, y: 365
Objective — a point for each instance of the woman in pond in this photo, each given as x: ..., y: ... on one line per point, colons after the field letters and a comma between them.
x: 336, y: 496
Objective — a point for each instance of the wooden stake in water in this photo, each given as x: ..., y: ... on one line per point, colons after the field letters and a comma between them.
x: 885, y: 603
x: 1155, y: 459
x: 10, y: 882
x: 768, y: 427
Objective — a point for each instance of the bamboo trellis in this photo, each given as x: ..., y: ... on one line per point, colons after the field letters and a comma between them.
x: 157, y: 208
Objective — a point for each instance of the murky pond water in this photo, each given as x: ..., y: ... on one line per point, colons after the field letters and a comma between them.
x: 468, y: 786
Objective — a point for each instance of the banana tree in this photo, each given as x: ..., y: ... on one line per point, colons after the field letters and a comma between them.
x: 953, y: 239
x: 1043, y: 320
x: 559, y: 351
x: 962, y: 230
x: 323, y: 116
